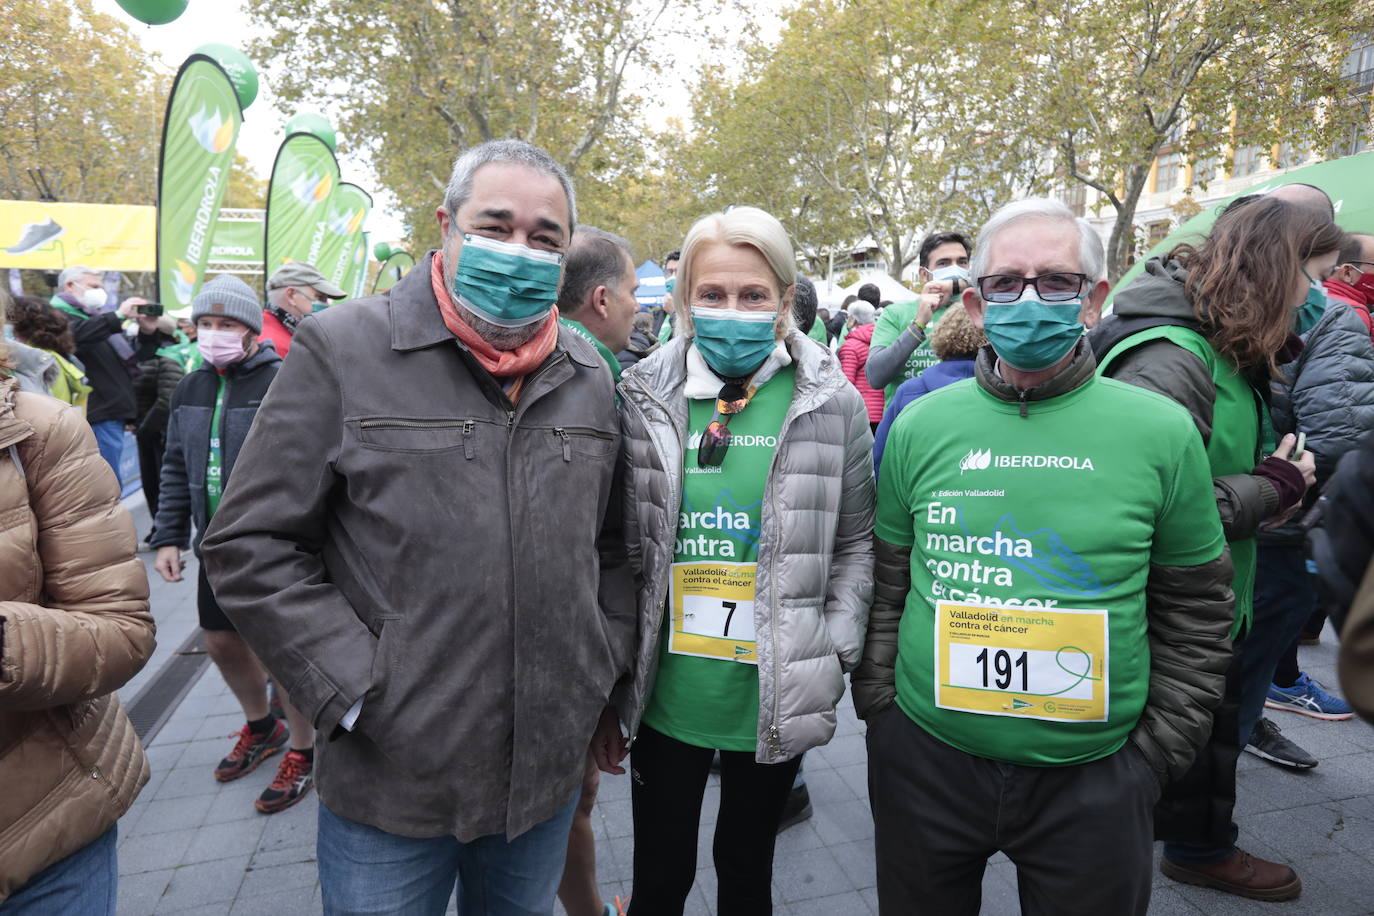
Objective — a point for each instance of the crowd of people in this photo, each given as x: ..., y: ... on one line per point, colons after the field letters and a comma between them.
x: 468, y: 544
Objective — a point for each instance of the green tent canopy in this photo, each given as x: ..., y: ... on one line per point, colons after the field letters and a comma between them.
x: 1349, y: 181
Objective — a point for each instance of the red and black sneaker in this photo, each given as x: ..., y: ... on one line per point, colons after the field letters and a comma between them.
x: 295, y: 776
x: 249, y: 751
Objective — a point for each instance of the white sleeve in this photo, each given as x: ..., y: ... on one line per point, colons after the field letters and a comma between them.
x: 352, y: 715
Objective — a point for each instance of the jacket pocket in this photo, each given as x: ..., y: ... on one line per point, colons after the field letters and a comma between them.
x: 418, y: 434
x: 583, y: 441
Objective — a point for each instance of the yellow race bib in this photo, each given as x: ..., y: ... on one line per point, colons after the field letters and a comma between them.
x: 713, y: 611
x: 1039, y: 663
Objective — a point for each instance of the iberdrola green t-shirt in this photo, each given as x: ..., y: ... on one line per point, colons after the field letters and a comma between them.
x: 892, y: 321
x: 1023, y: 637
x: 707, y: 689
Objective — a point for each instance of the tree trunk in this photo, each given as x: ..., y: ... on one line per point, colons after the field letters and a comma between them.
x: 1121, y: 243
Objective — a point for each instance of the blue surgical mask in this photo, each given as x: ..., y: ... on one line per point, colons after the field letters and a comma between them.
x: 733, y: 343
x: 670, y: 284
x: 1031, y: 335
x: 317, y: 306
x: 507, y: 284
x: 1312, y: 308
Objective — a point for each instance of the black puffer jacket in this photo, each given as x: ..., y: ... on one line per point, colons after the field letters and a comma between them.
x: 157, y: 379
x: 1328, y: 391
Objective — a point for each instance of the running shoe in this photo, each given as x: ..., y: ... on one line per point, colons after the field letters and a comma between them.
x: 1308, y: 698
x: 249, y: 751
x: 35, y: 235
x: 1268, y: 743
x: 295, y: 776
x: 797, y: 809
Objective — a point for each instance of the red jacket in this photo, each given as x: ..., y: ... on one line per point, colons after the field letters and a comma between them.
x: 853, y: 359
x: 1355, y: 297
x: 275, y: 331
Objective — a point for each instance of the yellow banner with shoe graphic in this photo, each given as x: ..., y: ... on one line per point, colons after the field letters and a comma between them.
x: 50, y: 236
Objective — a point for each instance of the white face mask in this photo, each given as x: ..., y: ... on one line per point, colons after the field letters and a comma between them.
x: 94, y: 298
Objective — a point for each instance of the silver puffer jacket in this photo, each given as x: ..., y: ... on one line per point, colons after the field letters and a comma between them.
x: 815, y: 571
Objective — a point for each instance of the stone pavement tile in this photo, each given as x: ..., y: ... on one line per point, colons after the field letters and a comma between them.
x: 613, y: 787
x: 222, y: 841
x: 164, y: 757
x: 855, y: 776
x: 153, y: 852
x: 1349, y: 777
x: 1322, y: 740
x: 843, y: 750
x: 291, y: 831
x: 222, y: 726
x: 857, y: 862
x: 182, y: 783
x: 1336, y: 882
x: 807, y: 874
x: 295, y: 900
x: 796, y: 838
x: 234, y: 800
x: 1166, y: 901
x: 826, y: 786
x: 177, y: 730
x: 204, y: 754
x: 617, y: 816
x: 277, y: 878
x: 838, y: 905
x: 843, y: 821
x: 139, y: 893
x: 999, y: 891
x: 160, y: 816
x: 710, y: 805
x: 205, y: 887
x: 706, y: 887
x: 870, y: 896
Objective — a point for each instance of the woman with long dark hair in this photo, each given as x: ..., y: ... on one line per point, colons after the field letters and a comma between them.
x: 1208, y: 326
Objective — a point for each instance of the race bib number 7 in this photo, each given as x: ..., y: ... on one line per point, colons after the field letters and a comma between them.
x: 1040, y: 663
x: 713, y: 611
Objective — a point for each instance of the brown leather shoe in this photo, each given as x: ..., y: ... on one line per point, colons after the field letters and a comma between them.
x: 1241, y: 874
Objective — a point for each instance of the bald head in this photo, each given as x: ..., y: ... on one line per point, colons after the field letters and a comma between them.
x: 1305, y: 195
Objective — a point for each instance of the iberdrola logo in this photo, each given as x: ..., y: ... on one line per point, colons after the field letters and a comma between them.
x: 184, y: 281
x: 213, y: 131
x: 347, y: 222
x: 975, y: 460
x: 311, y: 188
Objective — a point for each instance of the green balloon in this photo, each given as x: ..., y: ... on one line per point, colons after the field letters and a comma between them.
x: 154, y: 12
x: 241, y: 71
x: 308, y: 122
x: 381, y: 251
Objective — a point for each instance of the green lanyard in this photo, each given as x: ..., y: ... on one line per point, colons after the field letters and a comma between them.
x: 214, y: 466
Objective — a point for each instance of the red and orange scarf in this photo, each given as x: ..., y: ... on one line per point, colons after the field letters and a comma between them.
x: 500, y: 363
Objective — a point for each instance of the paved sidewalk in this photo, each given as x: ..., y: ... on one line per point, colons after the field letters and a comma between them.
x: 193, y: 845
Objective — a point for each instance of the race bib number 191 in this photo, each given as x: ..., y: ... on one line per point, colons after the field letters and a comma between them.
x: 1040, y: 663
x: 713, y: 611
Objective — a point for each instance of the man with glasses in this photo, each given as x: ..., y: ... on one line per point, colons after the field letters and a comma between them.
x: 297, y: 289
x: 1048, y: 632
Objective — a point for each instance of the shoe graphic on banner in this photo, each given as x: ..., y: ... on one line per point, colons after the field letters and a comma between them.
x: 35, y: 235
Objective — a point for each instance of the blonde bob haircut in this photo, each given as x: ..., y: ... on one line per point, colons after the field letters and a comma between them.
x: 740, y: 226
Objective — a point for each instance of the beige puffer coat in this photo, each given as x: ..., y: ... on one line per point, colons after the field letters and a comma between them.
x: 815, y: 569
x: 75, y: 626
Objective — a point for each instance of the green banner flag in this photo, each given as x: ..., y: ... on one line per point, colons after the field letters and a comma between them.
x: 236, y: 241
x: 393, y: 268
x: 356, y: 274
x: 348, y: 210
x: 304, y: 177
x: 1349, y: 181
x: 198, y: 135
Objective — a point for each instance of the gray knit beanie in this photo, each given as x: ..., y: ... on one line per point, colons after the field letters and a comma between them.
x: 230, y: 297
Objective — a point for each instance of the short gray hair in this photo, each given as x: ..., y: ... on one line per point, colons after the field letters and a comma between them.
x: 1092, y: 259
x: 75, y: 272
x: 277, y: 296
x: 862, y: 313
x: 515, y: 152
x: 595, y: 258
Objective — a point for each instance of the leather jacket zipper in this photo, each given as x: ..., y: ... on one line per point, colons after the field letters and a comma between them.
x: 389, y: 423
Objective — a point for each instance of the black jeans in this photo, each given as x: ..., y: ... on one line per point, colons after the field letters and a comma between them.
x: 1285, y: 596
x: 667, y: 782
x: 150, y: 449
x: 1080, y: 835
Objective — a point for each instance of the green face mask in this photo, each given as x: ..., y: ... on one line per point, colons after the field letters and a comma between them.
x: 1312, y: 308
x: 507, y: 284
x: 1030, y: 334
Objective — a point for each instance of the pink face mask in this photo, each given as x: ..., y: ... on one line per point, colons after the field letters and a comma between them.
x: 220, y: 348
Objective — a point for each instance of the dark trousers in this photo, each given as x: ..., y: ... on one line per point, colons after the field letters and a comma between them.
x: 1193, y: 817
x: 1080, y: 835
x: 1285, y: 597
x: 668, y: 780
x: 150, y: 449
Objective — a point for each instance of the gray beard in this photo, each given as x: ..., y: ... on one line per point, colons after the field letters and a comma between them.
x: 499, y: 337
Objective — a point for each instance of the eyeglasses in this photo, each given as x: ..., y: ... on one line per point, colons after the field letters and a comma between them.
x: 1055, y: 287
x: 715, y: 439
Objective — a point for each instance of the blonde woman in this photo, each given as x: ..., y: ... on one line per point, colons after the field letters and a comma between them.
x: 749, y: 495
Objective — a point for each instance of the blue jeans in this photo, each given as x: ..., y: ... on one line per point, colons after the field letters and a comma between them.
x: 109, y: 438
x: 364, y: 870
x: 82, y: 884
x: 1284, y: 598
